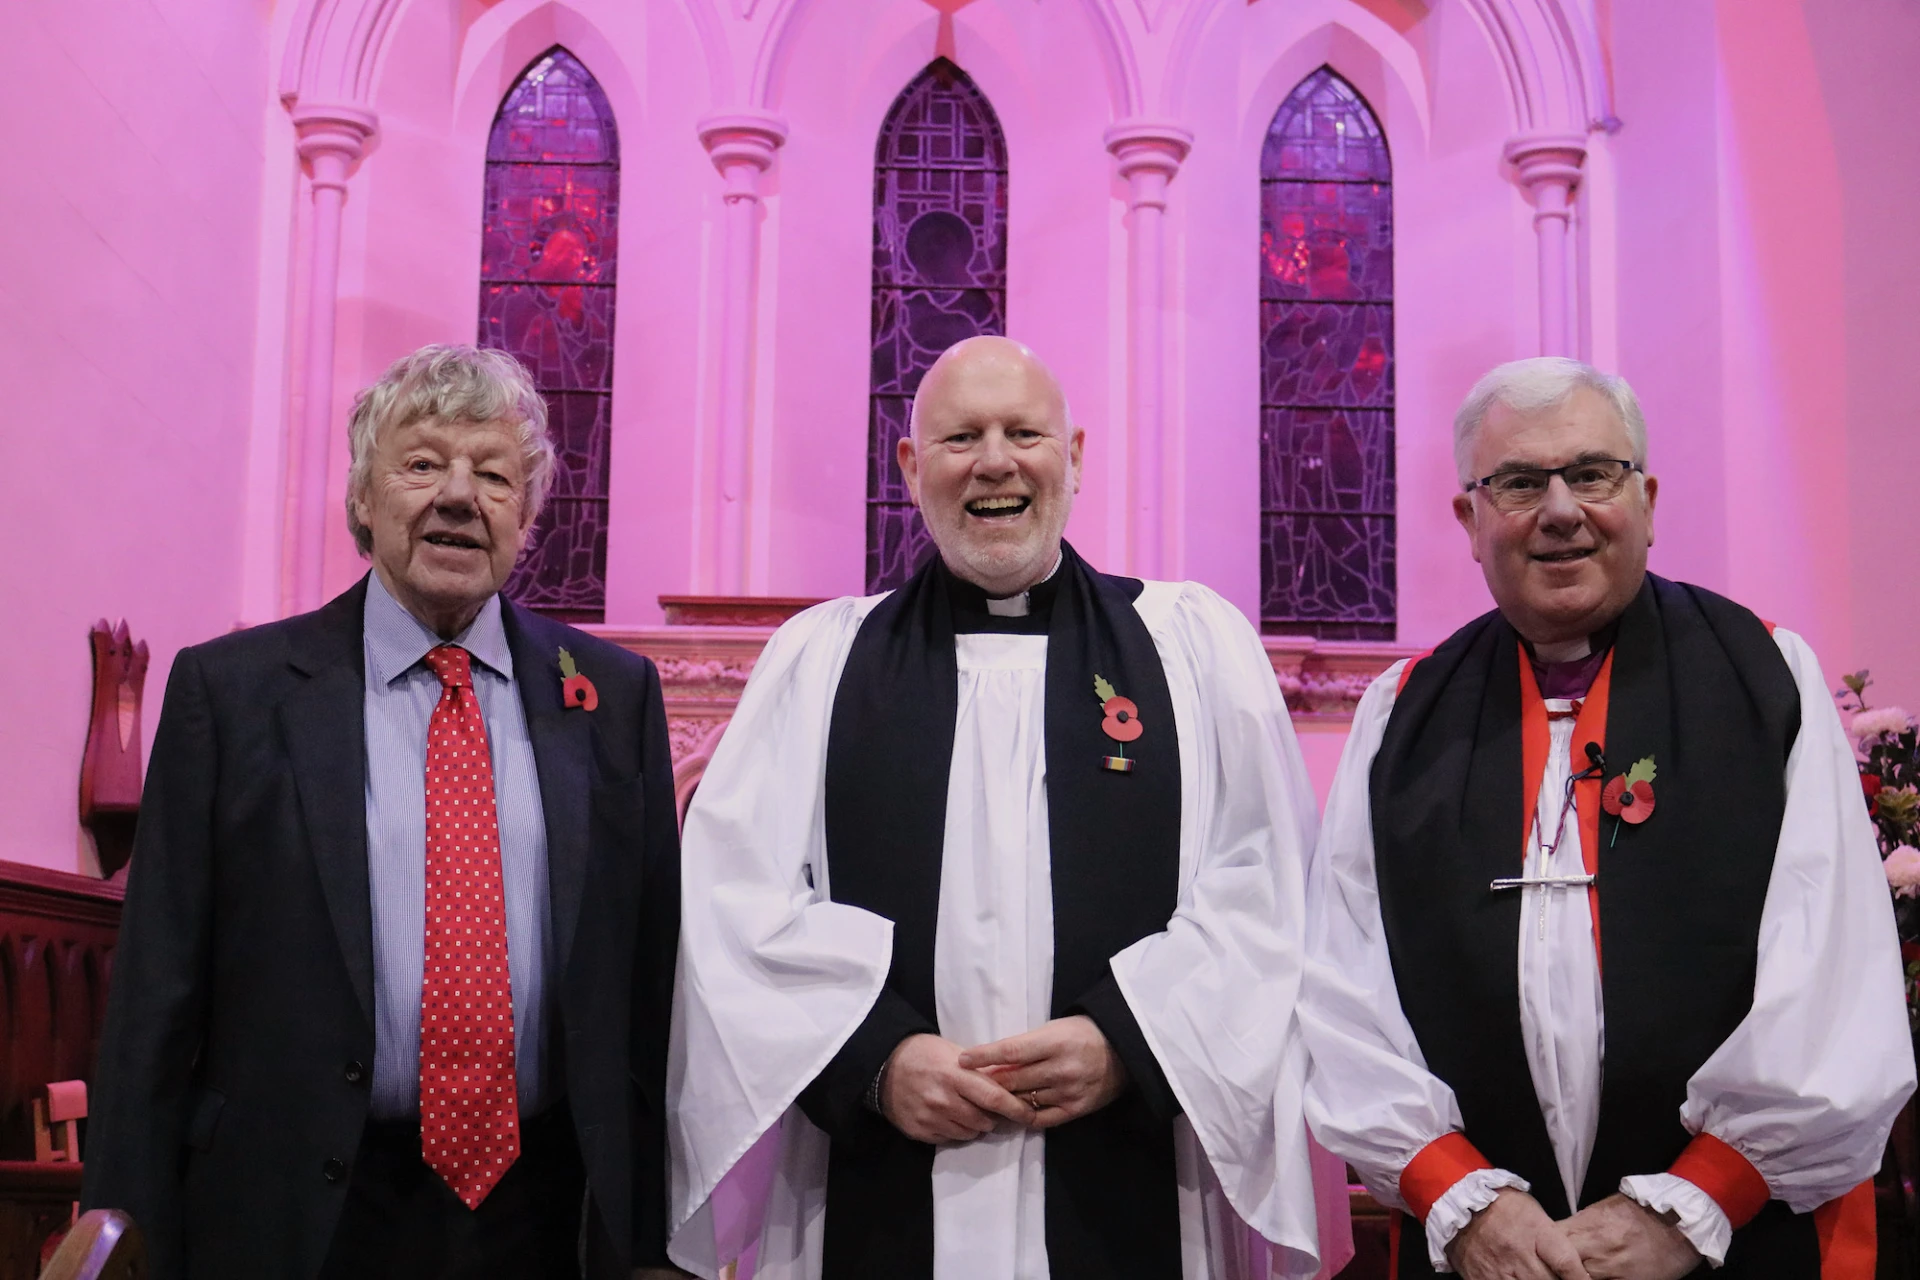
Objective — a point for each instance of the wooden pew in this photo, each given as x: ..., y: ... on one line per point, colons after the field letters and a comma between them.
x: 103, y: 1245
x: 57, y: 934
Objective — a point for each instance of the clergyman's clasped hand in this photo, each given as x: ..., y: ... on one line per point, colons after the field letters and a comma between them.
x: 935, y: 1091
x: 1614, y: 1239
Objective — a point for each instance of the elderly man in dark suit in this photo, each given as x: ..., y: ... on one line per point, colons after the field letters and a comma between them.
x: 392, y: 989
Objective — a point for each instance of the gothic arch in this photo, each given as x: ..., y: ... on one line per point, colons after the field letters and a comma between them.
x: 334, y: 48
x: 1103, y: 21
x: 1554, y: 77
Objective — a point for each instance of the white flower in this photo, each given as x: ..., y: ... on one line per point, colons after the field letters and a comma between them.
x: 1903, y: 871
x: 1888, y: 720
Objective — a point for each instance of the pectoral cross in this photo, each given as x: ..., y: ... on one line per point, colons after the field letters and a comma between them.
x: 1542, y: 881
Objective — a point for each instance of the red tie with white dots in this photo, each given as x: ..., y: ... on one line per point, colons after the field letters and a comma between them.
x: 469, y: 1107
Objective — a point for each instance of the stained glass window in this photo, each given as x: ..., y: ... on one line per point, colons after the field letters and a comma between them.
x: 547, y: 258
x: 1326, y: 367
x: 939, y: 275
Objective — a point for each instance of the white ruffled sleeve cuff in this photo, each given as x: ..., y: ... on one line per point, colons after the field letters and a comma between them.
x: 1454, y: 1210
x: 1700, y: 1220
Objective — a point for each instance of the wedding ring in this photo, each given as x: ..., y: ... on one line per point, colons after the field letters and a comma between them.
x: 1031, y: 1100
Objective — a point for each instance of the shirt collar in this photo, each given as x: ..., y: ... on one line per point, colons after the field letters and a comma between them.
x: 397, y: 641
x: 1020, y: 604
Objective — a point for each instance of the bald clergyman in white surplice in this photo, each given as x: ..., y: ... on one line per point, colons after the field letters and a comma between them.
x: 993, y: 896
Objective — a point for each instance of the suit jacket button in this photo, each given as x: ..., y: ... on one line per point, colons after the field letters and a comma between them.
x: 333, y: 1170
x: 355, y: 1073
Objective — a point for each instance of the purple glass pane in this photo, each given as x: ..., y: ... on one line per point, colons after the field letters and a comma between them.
x: 940, y: 227
x: 897, y: 545
x: 577, y: 421
x: 910, y: 330
x: 939, y: 275
x: 1325, y: 130
x: 1322, y: 353
x: 885, y: 429
x: 1331, y: 240
x: 1315, y: 460
x: 1326, y: 569
x: 563, y: 570
x: 555, y: 112
x: 549, y: 246
x: 562, y: 333
x: 550, y: 223
x: 1326, y: 365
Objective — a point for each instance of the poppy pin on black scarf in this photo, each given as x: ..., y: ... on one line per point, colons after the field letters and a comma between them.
x: 1122, y: 724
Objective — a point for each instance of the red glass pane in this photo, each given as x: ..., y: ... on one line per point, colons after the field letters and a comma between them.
x: 1326, y: 366
x: 549, y: 246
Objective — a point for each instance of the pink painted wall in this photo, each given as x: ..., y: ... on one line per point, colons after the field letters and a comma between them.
x: 1864, y: 56
x: 1744, y: 259
x: 133, y: 146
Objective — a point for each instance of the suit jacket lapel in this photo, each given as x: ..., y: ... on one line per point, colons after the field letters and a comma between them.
x: 563, y: 758
x: 325, y: 725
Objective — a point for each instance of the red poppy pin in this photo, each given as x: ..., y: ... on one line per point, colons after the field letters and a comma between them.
x: 1870, y: 784
x: 1629, y: 797
x: 1122, y: 724
x: 575, y: 689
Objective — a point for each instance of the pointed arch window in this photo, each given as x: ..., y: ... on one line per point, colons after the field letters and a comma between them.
x: 939, y: 275
x: 1326, y: 367
x: 548, y: 250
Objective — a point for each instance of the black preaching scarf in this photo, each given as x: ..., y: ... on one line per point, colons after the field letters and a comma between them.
x: 1699, y: 686
x: 1111, y: 1197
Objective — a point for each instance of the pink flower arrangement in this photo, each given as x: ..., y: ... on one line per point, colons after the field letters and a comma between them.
x: 1903, y: 871
x: 1886, y: 745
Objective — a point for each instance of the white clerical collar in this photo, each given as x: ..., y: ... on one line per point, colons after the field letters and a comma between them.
x: 1565, y: 651
x: 1018, y: 605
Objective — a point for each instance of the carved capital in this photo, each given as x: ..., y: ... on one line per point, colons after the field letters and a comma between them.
x: 332, y: 139
x: 741, y: 145
x: 1149, y: 153
x: 1547, y: 166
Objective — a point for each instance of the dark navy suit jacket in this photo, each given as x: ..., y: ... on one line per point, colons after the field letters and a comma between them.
x: 232, y: 1083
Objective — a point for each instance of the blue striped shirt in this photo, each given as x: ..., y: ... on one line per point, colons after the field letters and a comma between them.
x: 401, y: 695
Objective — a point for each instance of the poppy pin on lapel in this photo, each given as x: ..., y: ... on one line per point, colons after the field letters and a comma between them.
x: 1629, y: 797
x: 1122, y: 724
x: 575, y: 689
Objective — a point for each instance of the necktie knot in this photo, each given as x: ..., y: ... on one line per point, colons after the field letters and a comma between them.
x: 451, y: 663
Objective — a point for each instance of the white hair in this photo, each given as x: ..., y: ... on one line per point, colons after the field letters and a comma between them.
x: 449, y: 384
x: 1543, y: 382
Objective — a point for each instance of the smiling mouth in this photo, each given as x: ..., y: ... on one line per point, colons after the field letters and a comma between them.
x: 998, y: 508
x: 1564, y: 557
x: 456, y: 541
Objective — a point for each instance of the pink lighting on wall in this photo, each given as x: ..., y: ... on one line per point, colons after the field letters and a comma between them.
x: 741, y: 146
x: 1548, y: 168
x: 331, y: 141
x: 1148, y: 153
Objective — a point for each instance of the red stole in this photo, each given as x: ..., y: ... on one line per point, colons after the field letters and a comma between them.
x: 1535, y: 742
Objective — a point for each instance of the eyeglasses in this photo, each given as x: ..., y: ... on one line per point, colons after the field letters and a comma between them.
x: 1523, y: 488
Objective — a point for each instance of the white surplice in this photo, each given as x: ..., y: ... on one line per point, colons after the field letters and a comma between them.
x: 774, y: 975
x: 1806, y: 1087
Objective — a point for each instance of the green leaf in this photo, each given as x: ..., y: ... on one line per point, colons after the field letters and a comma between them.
x: 1102, y: 690
x: 1642, y: 771
x: 567, y: 669
x: 1856, y: 681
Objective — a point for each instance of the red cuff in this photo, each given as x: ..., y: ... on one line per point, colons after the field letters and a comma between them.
x: 1726, y: 1175
x: 1435, y: 1168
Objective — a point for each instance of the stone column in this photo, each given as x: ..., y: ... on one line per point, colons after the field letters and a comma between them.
x: 331, y: 141
x: 741, y: 146
x: 1548, y: 168
x: 1149, y: 154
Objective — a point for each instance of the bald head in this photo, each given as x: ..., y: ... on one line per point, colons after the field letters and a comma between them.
x: 993, y: 462
x: 987, y: 365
